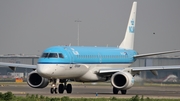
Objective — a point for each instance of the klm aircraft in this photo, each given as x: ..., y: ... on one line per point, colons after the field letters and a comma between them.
x: 59, y: 64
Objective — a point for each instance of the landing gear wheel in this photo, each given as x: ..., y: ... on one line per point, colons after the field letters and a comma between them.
x: 55, y: 90
x: 115, y: 90
x: 54, y: 86
x: 61, y: 88
x: 52, y: 90
x: 69, y: 88
x: 123, y: 91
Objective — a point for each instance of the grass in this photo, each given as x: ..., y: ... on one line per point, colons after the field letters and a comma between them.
x: 9, y: 96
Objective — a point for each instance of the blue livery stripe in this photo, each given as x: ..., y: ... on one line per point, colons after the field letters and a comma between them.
x: 89, y: 55
x: 84, y: 63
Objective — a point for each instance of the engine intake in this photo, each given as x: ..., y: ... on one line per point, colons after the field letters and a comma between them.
x: 34, y: 80
x: 122, y: 80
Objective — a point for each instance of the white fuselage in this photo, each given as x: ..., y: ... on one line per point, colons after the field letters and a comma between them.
x: 80, y: 72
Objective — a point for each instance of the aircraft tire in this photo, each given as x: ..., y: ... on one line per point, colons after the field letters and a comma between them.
x: 55, y: 90
x: 61, y: 88
x: 69, y: 88
x: 115, y: 90
x: 52, y: 90
x: 123, y: 91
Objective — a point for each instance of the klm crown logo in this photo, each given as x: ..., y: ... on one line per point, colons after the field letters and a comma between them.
x: 132, y: 22
x: 131, y: 27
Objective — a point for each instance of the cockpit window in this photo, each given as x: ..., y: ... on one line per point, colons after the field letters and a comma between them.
x: 61, y: 55
x: 53, y: 55
x: 45, y: 55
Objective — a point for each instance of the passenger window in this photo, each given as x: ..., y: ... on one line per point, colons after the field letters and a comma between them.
x: 61, y: 55
x: 53, y: 55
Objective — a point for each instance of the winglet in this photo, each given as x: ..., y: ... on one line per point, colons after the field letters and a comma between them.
x: 128, y: 42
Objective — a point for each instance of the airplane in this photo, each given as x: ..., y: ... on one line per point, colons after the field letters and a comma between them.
x: 59, y: 64
x: 171, y: 78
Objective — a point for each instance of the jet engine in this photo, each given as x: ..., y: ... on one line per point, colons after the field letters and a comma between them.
x: 34, y: 80
x: 122, y: 80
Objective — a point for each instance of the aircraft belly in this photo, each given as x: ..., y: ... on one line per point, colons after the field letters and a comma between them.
x: 69, y: 71
x: 85, y: 72
x: 91, y: 75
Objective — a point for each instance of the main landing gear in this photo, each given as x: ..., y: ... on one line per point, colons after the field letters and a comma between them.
x: 115, y: 91
x: 67, y: 87
x: 62, y: 86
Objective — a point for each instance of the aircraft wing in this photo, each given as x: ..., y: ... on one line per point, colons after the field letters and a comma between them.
x: 14, y: 65
x: 155, y: 68
x: 136, y: 69
x: 156, y: 53
x: 109, y: 71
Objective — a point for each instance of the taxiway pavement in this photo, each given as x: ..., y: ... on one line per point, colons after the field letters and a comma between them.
x: 90, y: 91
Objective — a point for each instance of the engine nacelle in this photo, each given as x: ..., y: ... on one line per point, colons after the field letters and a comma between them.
x: 34, y: 80
x: 122, y: 80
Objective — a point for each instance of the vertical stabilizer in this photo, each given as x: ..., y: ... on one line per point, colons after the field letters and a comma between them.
x: 128, y: 42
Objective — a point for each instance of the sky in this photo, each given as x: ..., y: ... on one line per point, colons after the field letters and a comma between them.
x: 30, y: 26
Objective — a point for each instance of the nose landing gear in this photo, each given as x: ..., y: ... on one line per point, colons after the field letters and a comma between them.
x: 53, y: 86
